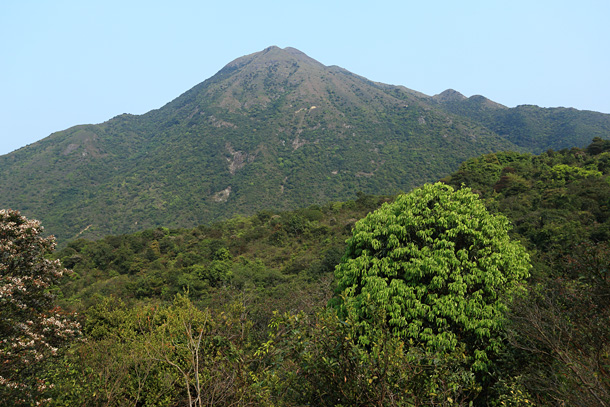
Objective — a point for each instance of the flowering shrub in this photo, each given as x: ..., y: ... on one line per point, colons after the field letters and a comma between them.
x: 31, y: 328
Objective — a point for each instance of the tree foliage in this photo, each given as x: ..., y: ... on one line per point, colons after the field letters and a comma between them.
x: 277, y: 345
x: 439, y: 265
x: 31, y: 327
x: 166, y: 355
x: 317, y: 360
x: 560, y: 328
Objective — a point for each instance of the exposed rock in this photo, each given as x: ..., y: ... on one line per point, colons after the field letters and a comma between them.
x: 220, y: 123
x: 238, y: 159
x: 222, y: 196
x: 297, y: 142
x: 70, y: 148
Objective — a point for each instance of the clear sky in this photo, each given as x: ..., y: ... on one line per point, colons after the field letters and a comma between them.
x: 69, y: 62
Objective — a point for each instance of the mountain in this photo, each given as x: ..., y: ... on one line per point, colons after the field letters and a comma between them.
x: 273, y: 130
x: 531, y: 127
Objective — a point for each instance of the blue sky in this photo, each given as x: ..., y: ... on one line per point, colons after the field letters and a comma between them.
x: 64, y: 63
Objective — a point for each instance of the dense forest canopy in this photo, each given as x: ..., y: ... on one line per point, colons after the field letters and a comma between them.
x: 236, y: 312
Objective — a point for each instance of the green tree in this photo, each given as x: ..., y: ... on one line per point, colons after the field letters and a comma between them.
x: 316, y: 360
x: 160, y: 355
x: 441, y: 268
x: 31, y: 328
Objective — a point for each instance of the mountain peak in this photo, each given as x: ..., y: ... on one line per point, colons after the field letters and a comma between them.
x: 449, y: 95
x: 278, y: 77
x: 486, y: 103
x: 272, y: 55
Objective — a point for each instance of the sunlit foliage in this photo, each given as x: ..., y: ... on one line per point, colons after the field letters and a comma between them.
x: 440, y: 266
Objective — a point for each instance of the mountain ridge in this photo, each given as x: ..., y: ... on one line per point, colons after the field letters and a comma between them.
x: 274, y: 129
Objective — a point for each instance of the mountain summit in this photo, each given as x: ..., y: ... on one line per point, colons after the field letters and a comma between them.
x: 278, y: 78
x: 271, y: 130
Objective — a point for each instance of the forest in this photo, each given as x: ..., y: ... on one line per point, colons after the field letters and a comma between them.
x: 488, y: 288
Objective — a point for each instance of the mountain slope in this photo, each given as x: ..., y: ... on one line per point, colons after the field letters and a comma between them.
x: 532, y: 127
x: 271, y: 130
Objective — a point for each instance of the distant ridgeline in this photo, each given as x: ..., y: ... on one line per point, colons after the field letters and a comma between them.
x: 274, y: 130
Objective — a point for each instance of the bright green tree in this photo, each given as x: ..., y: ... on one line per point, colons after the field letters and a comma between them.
x: 439, y: 266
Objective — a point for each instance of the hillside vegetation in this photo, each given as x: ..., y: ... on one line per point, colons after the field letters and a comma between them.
x: 274, y: 130
x: 258, y: 288
x: 531, y: 127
